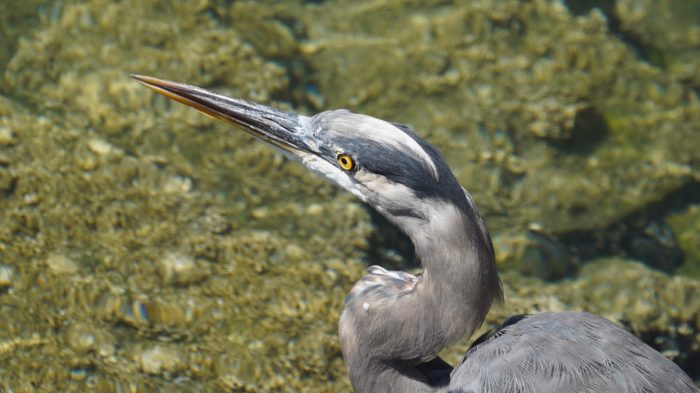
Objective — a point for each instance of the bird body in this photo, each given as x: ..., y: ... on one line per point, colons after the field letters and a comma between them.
x: 562, y: 352
x: 394, y: 324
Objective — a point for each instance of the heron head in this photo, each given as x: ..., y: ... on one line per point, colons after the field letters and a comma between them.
x: 386, y: 165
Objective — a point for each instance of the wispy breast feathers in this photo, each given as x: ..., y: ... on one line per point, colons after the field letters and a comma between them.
x: 382, y: 284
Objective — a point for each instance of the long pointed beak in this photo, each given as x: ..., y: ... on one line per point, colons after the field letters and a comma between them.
x: 281, y: 129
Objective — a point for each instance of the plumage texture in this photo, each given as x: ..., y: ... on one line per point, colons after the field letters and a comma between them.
x: 566, y: 352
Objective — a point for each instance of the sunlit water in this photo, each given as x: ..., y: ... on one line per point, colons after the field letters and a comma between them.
x: 144, y: 246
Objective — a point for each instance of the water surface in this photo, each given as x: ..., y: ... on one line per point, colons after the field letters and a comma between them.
x: 144, y: 246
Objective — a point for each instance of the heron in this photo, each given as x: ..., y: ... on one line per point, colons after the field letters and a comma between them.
x: 394, y: 324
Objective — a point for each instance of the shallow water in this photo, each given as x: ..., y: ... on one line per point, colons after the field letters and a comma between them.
x: 144, y: 246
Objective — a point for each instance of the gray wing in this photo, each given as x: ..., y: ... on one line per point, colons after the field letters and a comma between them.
x: 566, y: 352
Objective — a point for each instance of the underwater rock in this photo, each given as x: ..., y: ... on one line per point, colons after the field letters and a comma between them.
x: 181, y: 270
x: 6, y: 137
x: 60, y: 264
x: 159, y: 360
x: 655, y: 245
x: 86, y: 42
x: 686, y: 227
x: 667, y: 33
x: 216, y: 222
x: 534, y: 255
x: 113, y: 178
x: 100, y: 147
x: 8, y: 275
x: 17, y: 20
x: 85, y: 338
x: 8, y: 181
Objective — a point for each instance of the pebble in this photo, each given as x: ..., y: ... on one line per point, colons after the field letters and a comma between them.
x: 159, y: 360
x: 314, y: 209
x: 178, y: 185
x: 294, y: 253
x: 61, y: 264
x: 260, y: 213
x: 86, y: 338
x: 6, y: 137
x: 216, y: 223
x: 80, y: 338
x: 100, y: 147
x: 180, y: 269
x: 79, y: 374
x: 7, y: 276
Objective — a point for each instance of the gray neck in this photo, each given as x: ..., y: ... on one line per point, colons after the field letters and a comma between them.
x: 459, y: 276
x: 450, y: 300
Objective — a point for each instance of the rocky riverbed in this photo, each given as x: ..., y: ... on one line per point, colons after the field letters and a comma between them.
x: 144, y: 246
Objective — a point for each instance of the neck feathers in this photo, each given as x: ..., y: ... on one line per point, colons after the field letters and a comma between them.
x: 394, y: 321
x: 459, y: 269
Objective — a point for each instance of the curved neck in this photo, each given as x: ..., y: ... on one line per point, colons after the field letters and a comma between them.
x: 390, y: 324
x: 459, y: 268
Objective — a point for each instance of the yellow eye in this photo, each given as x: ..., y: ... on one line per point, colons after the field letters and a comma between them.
x: 345, y: 162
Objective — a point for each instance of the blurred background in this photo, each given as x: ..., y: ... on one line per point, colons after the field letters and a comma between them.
x: 145, y: 247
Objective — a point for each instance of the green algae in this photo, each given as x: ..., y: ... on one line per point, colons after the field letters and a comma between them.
x: 686, y: 226
x: 671, y: 26
x: 471, y: 61
x: 144, y: 247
